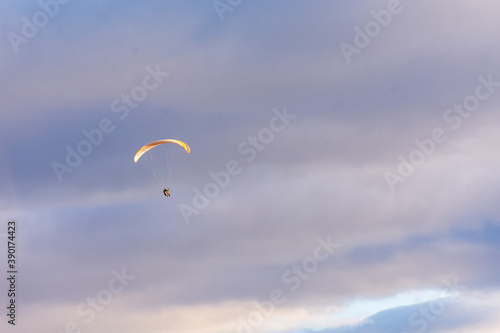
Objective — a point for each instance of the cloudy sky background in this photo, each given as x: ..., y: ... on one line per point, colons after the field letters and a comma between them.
x: 421, y: 257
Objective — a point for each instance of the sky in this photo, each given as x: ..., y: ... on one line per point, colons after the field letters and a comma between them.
x: 343, y: 173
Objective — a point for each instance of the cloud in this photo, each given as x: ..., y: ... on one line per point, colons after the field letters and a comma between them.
x: 323, y: 175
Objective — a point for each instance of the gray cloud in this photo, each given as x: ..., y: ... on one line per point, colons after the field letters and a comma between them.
x: 322, y: 175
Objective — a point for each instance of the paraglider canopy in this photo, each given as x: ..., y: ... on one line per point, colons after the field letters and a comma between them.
x: 153, y: 144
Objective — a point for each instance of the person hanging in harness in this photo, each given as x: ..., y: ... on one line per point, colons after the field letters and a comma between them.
x: 165, y: 192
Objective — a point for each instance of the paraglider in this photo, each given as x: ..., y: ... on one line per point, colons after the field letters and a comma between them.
x: 161, y: 164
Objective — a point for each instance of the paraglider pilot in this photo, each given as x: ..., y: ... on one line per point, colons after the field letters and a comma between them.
x: 165, y: 192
